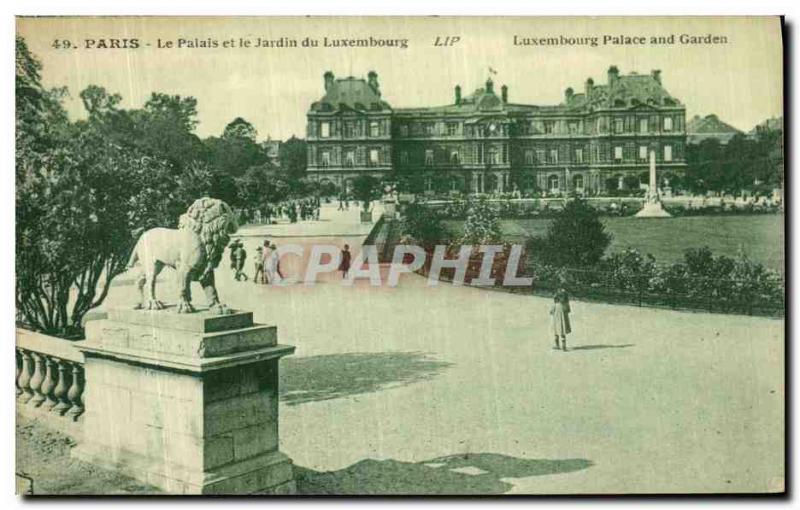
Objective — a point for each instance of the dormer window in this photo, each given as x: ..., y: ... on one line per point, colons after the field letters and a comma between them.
x: 669, y: 102
x: 619, y: 103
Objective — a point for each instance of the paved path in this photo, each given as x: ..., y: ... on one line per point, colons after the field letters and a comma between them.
x: 453, y: 389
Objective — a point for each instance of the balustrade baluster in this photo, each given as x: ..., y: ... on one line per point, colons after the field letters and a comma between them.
x: 25, y: 377
x: 37, y: 380
x: 49, y: 383
x: 75, y: 393
x: 60, y: 393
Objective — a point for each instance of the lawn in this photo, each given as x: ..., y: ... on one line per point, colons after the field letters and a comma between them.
x: 760, y: 236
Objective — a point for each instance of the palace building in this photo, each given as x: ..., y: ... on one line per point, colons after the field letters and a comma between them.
x: 484, y: 143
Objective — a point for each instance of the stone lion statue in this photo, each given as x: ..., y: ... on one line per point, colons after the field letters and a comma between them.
x: 194, y: 250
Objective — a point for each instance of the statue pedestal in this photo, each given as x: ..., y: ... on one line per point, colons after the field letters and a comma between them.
x: 653, y: 210
x: 185, y: 402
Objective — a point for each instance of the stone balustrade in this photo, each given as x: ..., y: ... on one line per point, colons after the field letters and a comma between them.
x: 50, y: 379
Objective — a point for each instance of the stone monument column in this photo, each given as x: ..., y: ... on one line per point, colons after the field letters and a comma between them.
x: 185, y: 402
x: 652, y: 203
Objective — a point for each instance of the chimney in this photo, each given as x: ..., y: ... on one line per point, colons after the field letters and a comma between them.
x: 328, y: 80
x: 489, y: 86
x: 613, y: 75
x: 589, y: 87
x: 458, y: 94
x: 372, y: 81
x: 568, y: 95
x: 504, y: 93
x: 656, y: 73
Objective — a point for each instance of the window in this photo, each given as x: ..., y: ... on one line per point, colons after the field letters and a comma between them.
x: 349, y: 130
x: 668, y: 153
x: 540, y: 157
x: 579, y: 155
x: 374, y: 129
x: 428, y: 127
x: 454, y: 159
x: 326, y: 158
x: 643, y: 126
x: 618, y: 153
x: 494, y: 156
x: 619, y: 125
x: 667, y: 123
x: 403, y: 130
x: 403, y: 157
x: 553, y: 156
x: 552, y: 183
x: 643, y: 152
x: 548, y: 127
x: 452, y: 128
x: 325, y: 129
x: 350, y: 158
x: 373, y: 157
x: 577, y: 182
x: 529, y: 157
x: 428, y: 157
x: 573, y: 128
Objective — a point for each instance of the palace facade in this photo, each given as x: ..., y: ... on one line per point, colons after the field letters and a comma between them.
x: 484, y: 143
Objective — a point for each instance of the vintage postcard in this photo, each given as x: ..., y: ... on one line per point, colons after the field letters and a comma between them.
x: 400, y: 255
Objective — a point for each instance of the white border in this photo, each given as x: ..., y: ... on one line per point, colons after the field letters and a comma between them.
x: 791, y: 9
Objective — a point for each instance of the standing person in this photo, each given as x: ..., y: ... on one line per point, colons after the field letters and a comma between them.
x: 265, y: 261
x: 239, y: 256
x: 259, y: 263
x: 344, y: 264
x: 341, y: 202
x: 232, y: 248
x: 272, y: 266
x: 559, y: 318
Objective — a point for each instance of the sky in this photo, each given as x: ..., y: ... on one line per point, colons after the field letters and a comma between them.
x: 740, y: 80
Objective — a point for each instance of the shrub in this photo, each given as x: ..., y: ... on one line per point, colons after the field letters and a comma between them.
x: 575, y: 238
x: 423, y: 225
x: 482, y: 225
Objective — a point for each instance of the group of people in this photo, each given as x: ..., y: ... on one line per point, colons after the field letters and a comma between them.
x: 304, y: 209
x: 267, y: 262
x: 293, y: 210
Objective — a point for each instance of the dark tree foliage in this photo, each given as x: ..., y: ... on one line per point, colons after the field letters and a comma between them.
x: 240, y: 128
x: 423, y: 225
x: 365, y: 189
x: 575, y: 238
x: 293, y: 157
x: 744, y: 163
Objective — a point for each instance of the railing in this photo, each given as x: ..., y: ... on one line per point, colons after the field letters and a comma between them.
x: 50, y: 379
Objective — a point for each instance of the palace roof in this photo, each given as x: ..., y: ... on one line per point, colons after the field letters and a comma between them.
x: 710, y: 126
x: 351, y: 93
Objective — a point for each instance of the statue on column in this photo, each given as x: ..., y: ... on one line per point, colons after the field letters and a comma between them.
x: 194, y: 250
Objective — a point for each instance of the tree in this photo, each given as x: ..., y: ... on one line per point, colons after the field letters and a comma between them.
x: 240, y: 128
x: 293, y: 157
x: 234, y: 155
x: 85, y: 191
x: 575, y: 238
x: 366, y: 189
